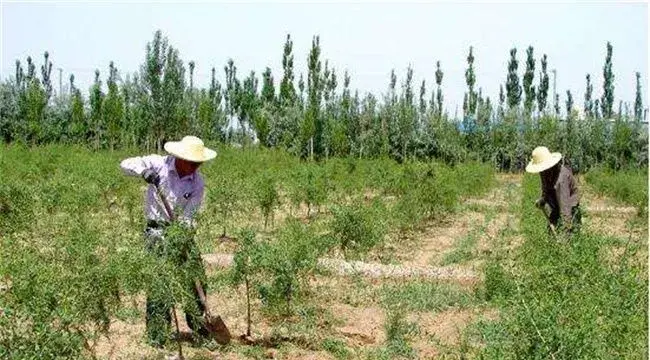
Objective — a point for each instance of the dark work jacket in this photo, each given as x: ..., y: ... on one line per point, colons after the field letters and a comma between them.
x: 561, y: 196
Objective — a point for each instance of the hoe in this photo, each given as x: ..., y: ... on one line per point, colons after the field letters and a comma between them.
x: 214, y: 324
x: 543, y: 210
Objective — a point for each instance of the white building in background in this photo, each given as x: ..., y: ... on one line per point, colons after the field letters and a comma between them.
x: 234, y: 127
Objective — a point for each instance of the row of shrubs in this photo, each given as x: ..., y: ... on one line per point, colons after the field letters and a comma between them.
x: 72, y: 251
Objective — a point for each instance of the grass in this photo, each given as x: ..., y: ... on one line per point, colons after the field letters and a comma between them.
x: 562, y: 301
x: 421, y: 295
x: 398, y: 330
x: 630, y: 187
x: 463, y: 252
x: 337, y: 348
x: 466, y: 246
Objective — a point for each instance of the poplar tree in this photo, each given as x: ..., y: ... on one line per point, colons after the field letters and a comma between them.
x: 313, y: 126
x: 470, y: 80
x: 439, y: 97
x: 77, y: 122
x: 113, y: 108
x: 638, y: 99
x: 46, y: 75
x: 589, y: 106
x: 268, y: 89
x: 287, y: 95
x: 607, y: 101
x: 513, y: 89
x: 529, y: 75
x: 542, y: 90
x: 96, y: 100
x: 423, y: 103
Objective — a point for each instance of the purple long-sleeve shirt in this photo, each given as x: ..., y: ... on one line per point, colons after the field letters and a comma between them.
x: 184, y: 195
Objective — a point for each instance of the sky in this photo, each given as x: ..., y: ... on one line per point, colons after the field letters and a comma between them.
x: 366, y: 38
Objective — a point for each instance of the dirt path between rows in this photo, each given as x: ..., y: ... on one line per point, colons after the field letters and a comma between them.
x: 372, y: 270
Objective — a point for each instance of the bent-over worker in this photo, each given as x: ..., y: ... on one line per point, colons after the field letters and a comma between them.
x: 559, y: 190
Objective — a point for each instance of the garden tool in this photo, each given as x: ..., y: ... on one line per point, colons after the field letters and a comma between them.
x: 214, y: 324
x: 543, y: 210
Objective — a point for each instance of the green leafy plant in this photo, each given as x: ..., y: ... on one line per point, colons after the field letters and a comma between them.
x: 357, y: 228
x: 226, y: 200
x: 310, y: 186
x: 629, y: 186
x: 286, y: 263
x: 246, y: 260
x: 337, y: 348
x: 267, y: 197
x: 397, y: 331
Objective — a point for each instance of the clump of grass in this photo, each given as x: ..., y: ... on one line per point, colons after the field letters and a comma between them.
x: 398, y: 330
x: 337, y: 348
x: 465, y: 247
x: 427, y: 296
x: 498, y: 284
x: 463, y: 251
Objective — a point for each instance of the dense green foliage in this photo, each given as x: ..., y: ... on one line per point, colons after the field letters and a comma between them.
x: 567, y: 299
x: 324, y: 117
x: 69, y: 216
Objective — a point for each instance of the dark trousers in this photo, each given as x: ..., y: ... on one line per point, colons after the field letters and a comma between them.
x: 159, y: 305
x: 576, y: 220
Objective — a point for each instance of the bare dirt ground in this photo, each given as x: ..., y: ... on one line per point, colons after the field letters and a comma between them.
x: 438, y: 240
x: 606, y: 216
x: 349, y: 310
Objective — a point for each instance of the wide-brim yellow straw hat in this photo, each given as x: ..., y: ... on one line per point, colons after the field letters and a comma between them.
x: 190, y: 148
x: 542, y: 160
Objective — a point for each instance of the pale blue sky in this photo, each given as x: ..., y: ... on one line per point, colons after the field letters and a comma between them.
x: 365, y: 38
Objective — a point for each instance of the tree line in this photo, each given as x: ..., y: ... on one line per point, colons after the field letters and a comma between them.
x: 320, y: 116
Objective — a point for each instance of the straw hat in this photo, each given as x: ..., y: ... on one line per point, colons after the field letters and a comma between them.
x: 190, y: 148
x: 542, y: 160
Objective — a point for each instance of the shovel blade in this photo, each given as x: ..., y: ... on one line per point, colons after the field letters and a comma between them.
x: 217, y: 329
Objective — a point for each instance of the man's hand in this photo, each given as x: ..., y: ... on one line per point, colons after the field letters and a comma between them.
x: 151, y: 177
x: 540, y: 203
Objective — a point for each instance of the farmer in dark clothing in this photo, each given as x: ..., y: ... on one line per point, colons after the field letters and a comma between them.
x: 184, y: 187
x: 559, y: 190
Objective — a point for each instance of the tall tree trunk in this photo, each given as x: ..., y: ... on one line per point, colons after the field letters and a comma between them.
x: 248, y: 309
x: 311, y: 148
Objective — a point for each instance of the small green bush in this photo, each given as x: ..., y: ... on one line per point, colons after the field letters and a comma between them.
x: 285, y: 265
x: 357, y: 228
x: 266, y: 194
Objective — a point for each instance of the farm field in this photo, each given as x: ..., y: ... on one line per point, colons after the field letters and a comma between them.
x: 345, y: 259
x: 372, y: 197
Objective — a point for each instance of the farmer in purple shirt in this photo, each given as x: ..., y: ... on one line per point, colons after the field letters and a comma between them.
x: 182, y: 185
